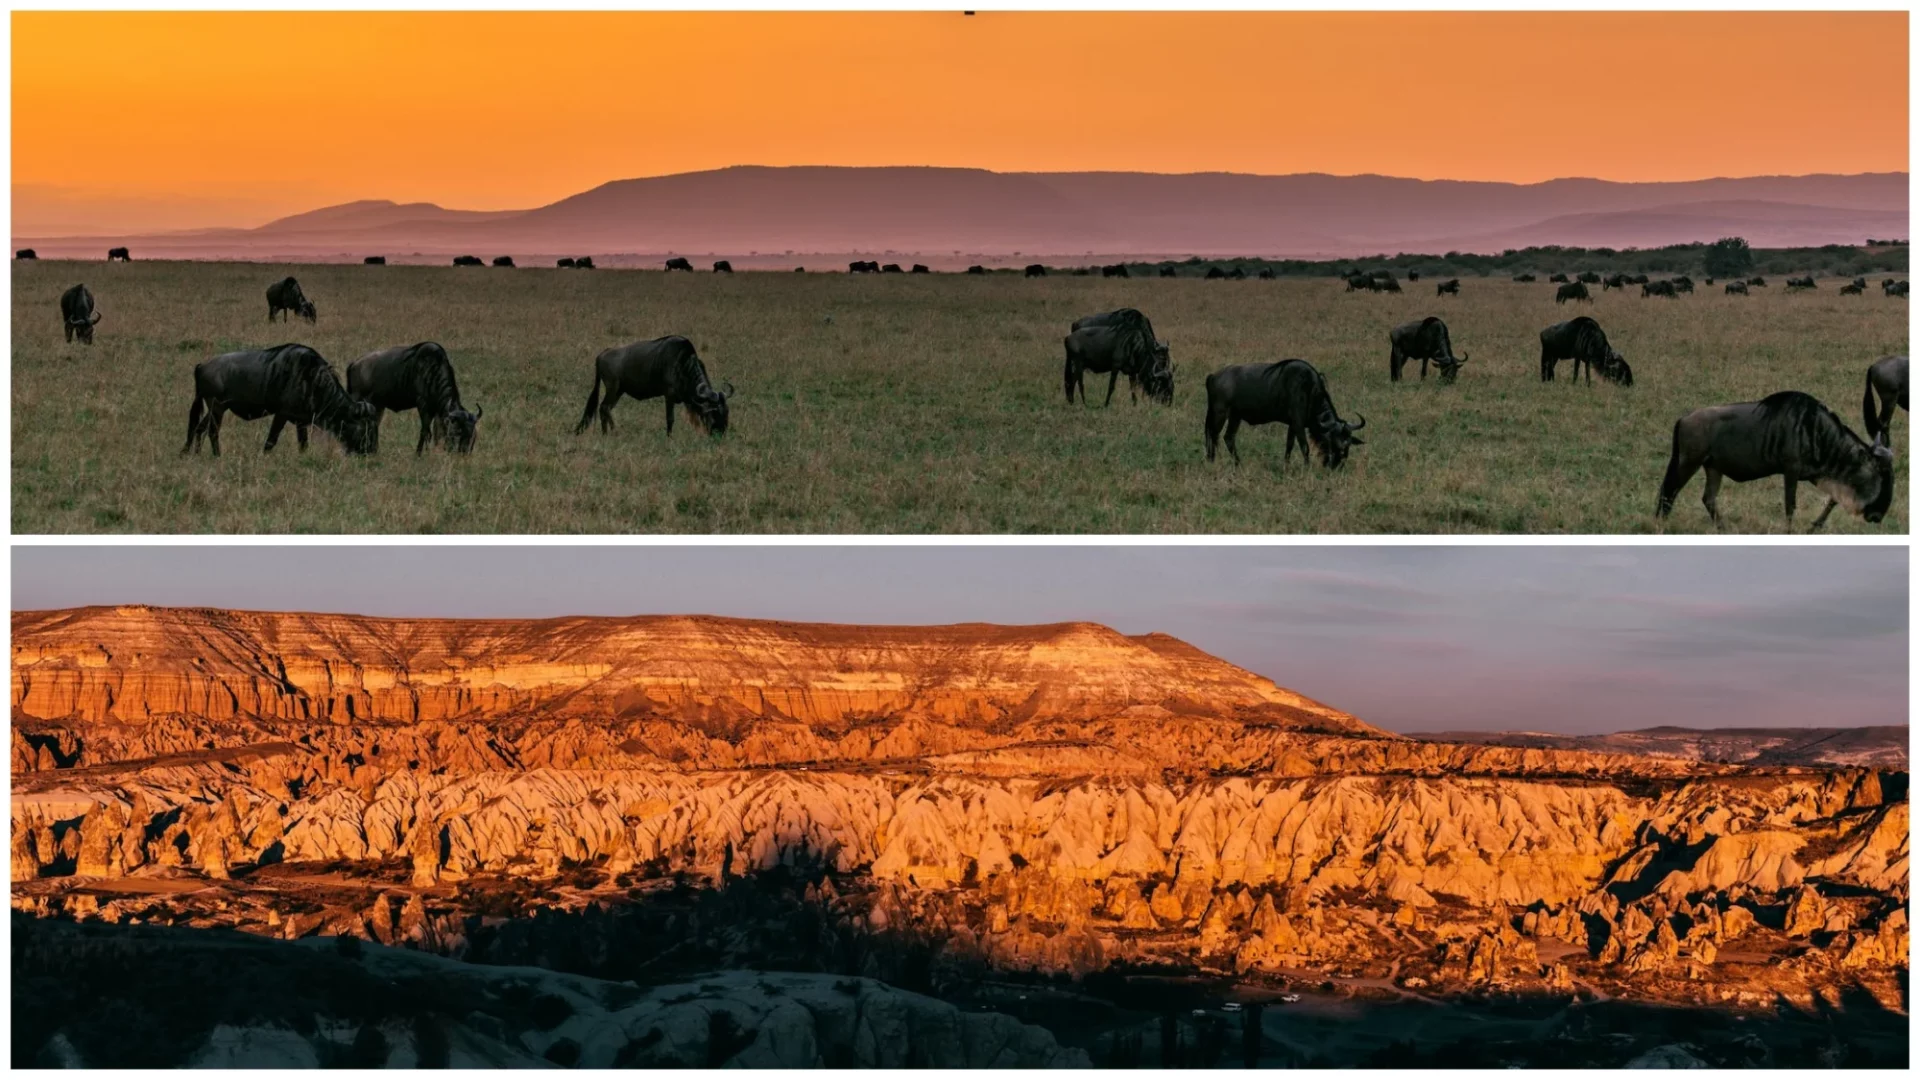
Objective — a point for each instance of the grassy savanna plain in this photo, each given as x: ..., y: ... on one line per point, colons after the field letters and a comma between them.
x: 870, y: 404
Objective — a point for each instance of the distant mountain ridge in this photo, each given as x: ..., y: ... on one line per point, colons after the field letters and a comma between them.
x: 1879, y: 747
x: 763, y: 209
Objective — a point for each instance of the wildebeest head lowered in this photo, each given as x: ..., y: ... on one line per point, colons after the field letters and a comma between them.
x: 1290, y: 392
x: 1582, y: 341
x: 1423, y: 340
x: 77, y: 314
x: 1790, y: 435
x: 679, y: 263
x: 416, y: 377
x: 1572, y: 290
x: 291, y: 383
x: 1036, y: 270
x: 662, y: 368
x: 285, y: 298
x: 1119, y: 342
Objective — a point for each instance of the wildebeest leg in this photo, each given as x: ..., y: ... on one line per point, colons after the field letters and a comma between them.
x: 1679, y: 471
x: 273, y: 433
x: 1072, y: 377
x: 300, y: 433
x: 1546, y: 366
x: 212, y: 427
x: 1710, y: 498
x: 1113, y: 380
x: 1216, y: 418
x: 1423, y: 368
x: 378, y: 414
x: 1822, y: 519
x: 1395, y: 362
x: 1233, y: 428
x: 69, y: 333
x: 669, y: 416
x: 426, y: 429
x: 1791, y: 484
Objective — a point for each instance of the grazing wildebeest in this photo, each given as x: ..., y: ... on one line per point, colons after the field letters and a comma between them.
x: 1589, y: 277
x: 1355, y: 282
x: 1572, y: 290
x: 799, y: 269
x: 1886, y: 377
x: 863, y: 268
x: 563, y: 264
x: 1615, y: 281
x: 284, y: 298
x: 723, y: 267
x: 1861, y: 283
x: 1709, y: 283
x: 919, y: 268
x: 664, y: 367
x: 1683, y: 284
x: 503, y: 261
x: 291, y: 383
x: 77, y: 314
x: 1423, y: 340
x: 1789, y: 434
x: 1557, y: 279
x: 374, y: 260
x: 1267, y: 274
x: 415, y: 377
x: 118, y: 254
x: 1239, y: 273
x: 1582, y: 341
x: 1036, y: 270
x: 976, y: 269
x: 1117, y: 343
x: 892, y: 268
x: 26, y: 253
x: 1852, y: 289
x: 1760, y: 281
x: 680, y: 263
x: 1525, y: 279
x: 1658, y: 288
x: 1450, y: 287
x: 1413, y: 275
x: 1795, y: 284
x: 1168, y: 271
x: 584, y: 262
x: 1736, y: 288
x: 467, y: 260
x: 1214, y: 273
x: 1114, y: 270
x: 1290, y: 392
x: 1637, y: 279
x: 1898, y: 288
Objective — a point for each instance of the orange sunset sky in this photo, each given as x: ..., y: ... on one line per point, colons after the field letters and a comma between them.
x: 234, y: 118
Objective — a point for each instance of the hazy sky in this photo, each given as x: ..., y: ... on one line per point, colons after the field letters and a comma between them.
x: 1561, y: 639
x: 132, y: 120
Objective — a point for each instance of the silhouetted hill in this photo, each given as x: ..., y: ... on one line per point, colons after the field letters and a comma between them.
x: 1881, y: 747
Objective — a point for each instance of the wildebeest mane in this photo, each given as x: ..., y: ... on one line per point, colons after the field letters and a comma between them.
x: 314, y: 383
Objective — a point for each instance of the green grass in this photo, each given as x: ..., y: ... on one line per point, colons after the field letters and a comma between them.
x: 903, y: 404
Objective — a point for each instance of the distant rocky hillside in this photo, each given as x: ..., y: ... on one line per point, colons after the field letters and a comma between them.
x: 749, y: 209
x: 1882, y: 747
x: 941, y: 808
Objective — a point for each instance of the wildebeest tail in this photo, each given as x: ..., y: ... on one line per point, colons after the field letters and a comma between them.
x: 593, y: 405
x: 1671, y: 483
x: 1867, y: 410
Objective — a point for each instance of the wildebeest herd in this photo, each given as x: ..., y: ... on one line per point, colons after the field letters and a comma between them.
x: 1788, y: 434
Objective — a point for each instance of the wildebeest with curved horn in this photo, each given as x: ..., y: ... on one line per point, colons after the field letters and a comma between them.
x: 1413, y: 275
x: 1117, y: 343
x: 1239, y: 273
x: 1736, y: 288
x: 1557, y: 279
x: 1450, y: 287
x: 118, y: 255
x: 1898, y: 288
x: 1795, y: 284
x: 1423, y: 340
x: 1573, y: 290
x: 723, y: 267
x: 892, y: 268
x: 77, y: 314
x: 1036, y: 270
x: 1582, y: 341
x: 664, y: 367
x: 1789, y: 434
x: 1290, y: 392
x: 291, y: 383
x: 467, y: 260
x: 26, y: 253
x: 1589, y: 277
x: 584, y: 262
x: 1887, y: 377
x: 1683, y: 284
x: 416, y: 377
x: 1658, y: 288
x: 1757, y: 281
x: 920, y: 268
x: 374, y: 260
x: 868, y: 268
x: 1614, y: 281
x: 680, y: 263
x: 504, y: 262
x: 285, y: 299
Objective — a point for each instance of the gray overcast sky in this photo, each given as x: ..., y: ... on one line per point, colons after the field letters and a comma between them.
x: 1564, y: 639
